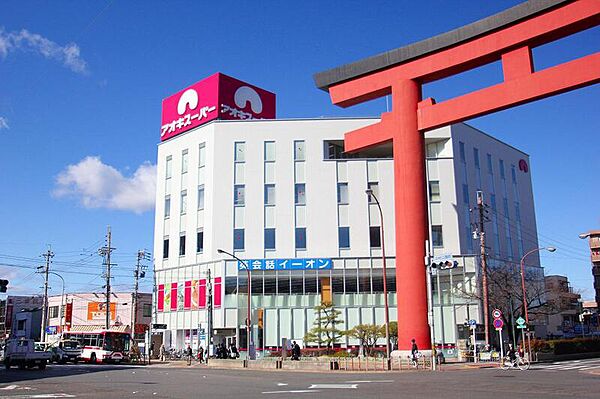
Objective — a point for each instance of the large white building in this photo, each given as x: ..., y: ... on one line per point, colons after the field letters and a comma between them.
x: 284, y: 190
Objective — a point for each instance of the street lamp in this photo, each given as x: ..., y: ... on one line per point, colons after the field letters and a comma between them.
x: 248, y: 320
x: 549, y: 249
x: 369, y: 192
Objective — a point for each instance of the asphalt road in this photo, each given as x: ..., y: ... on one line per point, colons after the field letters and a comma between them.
x: 106, y: 381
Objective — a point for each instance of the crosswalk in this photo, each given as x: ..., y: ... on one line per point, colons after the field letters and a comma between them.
x: 573, y: 365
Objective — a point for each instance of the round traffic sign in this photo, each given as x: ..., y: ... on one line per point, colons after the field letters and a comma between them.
x: 497, y: 313
x: 498, y: 323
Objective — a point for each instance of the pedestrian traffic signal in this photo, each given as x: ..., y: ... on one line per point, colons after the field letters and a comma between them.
x: 3, y: 285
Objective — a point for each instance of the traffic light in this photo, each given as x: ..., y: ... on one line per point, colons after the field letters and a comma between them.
x: 3, y: 284
x: 444, y: 265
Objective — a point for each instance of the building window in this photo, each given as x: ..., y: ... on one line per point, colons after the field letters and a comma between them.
x: 202, y: 155
x: 501, y: 165
x: 183, y: 202
x: 238, y: 194
x: 53, y: 312
x: 374, y: 187
x: 299, y: 151
x: 465, y: 193
x: 269, y: 194
x: 434, y: 191
x: 201, y: 196
x: 200, y: 241
x: 489, y: 164
x: 167, y: 206
x: 513, y: 173
x: 169, y: 167
x: 182, y: 244
x: 461, y: 150
x: 375, y: 236
x: 238, y: 239
x: 476, y: 157
x: 147, y: 310
x: 437, y: 236
x: 240, y: 152
x: 300, y: 237
x: 269, y: 238
x: 342, y: 193
x: 184, y: 161
x: 166, y: 248
x: 269, y: 151
x: 300, y: 194
x: 344, y: 237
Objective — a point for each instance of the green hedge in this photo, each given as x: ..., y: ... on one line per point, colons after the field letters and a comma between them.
x: 569, y: 346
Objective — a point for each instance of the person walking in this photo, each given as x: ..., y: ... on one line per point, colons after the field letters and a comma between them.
x: 189, y: 354
x: 162, y: 352
x: 295, y: 351
x: 200, y: 354
x: 414, y: 350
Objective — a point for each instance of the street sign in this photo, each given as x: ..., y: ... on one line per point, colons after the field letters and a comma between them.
x: 522, y: 326
x: 496, y: 313
x: 441, y: 258
x: 520, y: 321
x: 159, y: 326
x: 473, y: 323
x: 286, y: 264
x: 498, y: 324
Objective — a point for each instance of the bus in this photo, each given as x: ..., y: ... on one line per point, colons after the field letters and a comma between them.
x: 102, y: 346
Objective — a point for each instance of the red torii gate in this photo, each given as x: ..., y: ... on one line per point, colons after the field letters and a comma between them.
x: 508, y: 36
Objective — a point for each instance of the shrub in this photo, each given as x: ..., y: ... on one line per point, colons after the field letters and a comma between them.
x: 577, y: 345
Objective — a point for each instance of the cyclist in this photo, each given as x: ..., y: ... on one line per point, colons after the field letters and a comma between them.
x: 511, y: 353
x: 414, y: 350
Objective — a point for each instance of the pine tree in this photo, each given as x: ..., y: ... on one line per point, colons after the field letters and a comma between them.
x: 325, y: 331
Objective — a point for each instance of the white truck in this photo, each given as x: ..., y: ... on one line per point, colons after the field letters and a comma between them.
x: 22, y: 352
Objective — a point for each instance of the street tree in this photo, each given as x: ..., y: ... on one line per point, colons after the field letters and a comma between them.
x: 393, y: 334
x: 325, y: 331
x: 367, y: 335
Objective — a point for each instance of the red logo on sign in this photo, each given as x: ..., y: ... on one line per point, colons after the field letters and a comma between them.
x: 523, y: 166
x: 216, y: 97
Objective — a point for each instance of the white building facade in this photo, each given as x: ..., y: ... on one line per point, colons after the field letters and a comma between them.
x: 284, y: 190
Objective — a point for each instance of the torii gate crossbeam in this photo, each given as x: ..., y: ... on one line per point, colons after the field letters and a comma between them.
x: 508, y: 36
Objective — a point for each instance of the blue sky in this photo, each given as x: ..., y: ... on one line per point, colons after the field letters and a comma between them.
x: 81, y: 85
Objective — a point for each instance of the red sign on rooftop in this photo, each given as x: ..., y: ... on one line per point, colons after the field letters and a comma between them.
x: 217, y: 97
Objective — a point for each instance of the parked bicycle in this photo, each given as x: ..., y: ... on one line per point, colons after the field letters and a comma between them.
x: 519, y: 362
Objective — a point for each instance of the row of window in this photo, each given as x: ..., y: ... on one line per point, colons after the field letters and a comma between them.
x: 182, y: 246
x: 184, y: 161
x: 309, y: 282
x: 299, y: 239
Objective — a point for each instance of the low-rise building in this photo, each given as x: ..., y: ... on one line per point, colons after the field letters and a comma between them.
x: 563, y: 307
x: 13, y: 304
x: 87, y: 312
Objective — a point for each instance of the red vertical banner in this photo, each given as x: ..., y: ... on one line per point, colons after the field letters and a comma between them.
x: 161, y: 298
x: 195, y: 294
x: 69, y: 315
x: 173, y: 296
x: 217, y: 292
x: 202, y: 294
x: 187, y: 296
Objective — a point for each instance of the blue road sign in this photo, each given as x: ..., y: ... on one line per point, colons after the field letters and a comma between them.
x: 286, y: 264
x: 472, y: 322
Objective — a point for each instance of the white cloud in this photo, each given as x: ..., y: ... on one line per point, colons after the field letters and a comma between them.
x: 97, y: 185
x: 69, y: 54
x: 3, y: 123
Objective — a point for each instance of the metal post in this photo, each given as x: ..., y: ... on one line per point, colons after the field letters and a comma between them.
x: 48, y: 256
x: 501, y: 345
x: 209, y: 327
x: 62, y: 302
x: 385, y: 293
x: 486, y: 318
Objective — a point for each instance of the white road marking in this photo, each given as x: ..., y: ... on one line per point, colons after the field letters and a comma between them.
x: 39, y: 396
x: 370, y: 382
x: 281, y: 384
x: 8, y: 388
x: 333, y: 386
x: 294, y: 391
x: 578, y: 365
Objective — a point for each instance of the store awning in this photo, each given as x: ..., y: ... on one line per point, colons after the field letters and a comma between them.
x: 96, y: 328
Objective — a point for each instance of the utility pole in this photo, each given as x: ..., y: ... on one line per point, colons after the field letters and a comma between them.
x: 105, y: 252
x: 484, y: 281
x: 139, y: 272
x: 48, y: 255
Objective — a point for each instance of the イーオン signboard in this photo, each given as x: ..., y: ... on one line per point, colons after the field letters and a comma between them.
x: 97, y: 311
x: 216, y: 97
